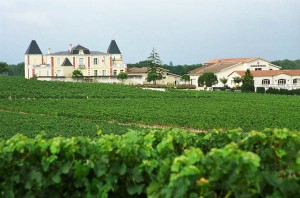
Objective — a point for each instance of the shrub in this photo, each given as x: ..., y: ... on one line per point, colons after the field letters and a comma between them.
x: 260, y: 90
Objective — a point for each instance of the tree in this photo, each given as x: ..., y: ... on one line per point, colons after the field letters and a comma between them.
x: 171, y: 64
x: 207, y: 79
x: 224, y: 80
x: 185, y: 78
x: 77, y: 73
x: 154, y: 57
x: 16, y: 70
x: 3, y: 67
x: 122, y: 76
x: 248, y: 83
x: 154, y: 71
x: 154, y: 77
x: 237, y: 80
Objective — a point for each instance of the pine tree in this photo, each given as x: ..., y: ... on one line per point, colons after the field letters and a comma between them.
x: 248, y: 83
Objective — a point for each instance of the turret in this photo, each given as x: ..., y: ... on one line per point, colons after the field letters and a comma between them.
x: 33, y: 57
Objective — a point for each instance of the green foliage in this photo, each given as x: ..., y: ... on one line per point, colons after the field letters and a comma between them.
x: 131, y: 104
x: 283, y: 91
x: 154, y: 58
x: 153, y: 76
x: 3, y: 67
x: 17, y: 70
x: 223, y: 80
x: 248, y: 83
x: 185, y: 78
x: 77, y: 73
x: 237, y: 80
x: 122, y: 76
x: 168, y: 163
x: 207, y: 79
x: 260, y: 90
x: 287, y: 64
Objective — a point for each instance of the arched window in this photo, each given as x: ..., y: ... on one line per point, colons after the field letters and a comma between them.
x: 265, y: 82
x: 281, y: 82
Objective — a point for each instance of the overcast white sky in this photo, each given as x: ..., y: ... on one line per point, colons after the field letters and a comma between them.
x: 182, y: 31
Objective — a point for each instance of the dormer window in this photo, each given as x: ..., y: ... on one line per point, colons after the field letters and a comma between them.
x: 81, y: 52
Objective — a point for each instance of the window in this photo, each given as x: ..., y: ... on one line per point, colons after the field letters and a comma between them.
x: 281, y: 82
x: 47, y: 73
x: 121, y: 70
x: 58, y: 61
x: 95, y: 61
x: 58, y: 73
x: 40, y: 73
x: 265, y: 82
x: 115, y: 72
x: 95, y: 72
x: 296, y: 81
x: 103, y: 72
x: 257, y: 69
x: 81, y: 65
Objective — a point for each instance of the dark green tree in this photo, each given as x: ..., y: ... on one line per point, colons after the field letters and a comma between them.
x: 207, y: 79
x: 185, y: 78
x: 154, y: 77
x: 16, y: 70
x: 77, y: 73
x: 154, y: 71
x: 122, y: 76
x: 3, y: 67
x: 248, y: 83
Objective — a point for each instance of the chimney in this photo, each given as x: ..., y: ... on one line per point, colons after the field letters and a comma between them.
x: 49, y: 50
x: 70, y: 47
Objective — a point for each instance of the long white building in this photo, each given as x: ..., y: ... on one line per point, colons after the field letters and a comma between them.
x: 223, y: 68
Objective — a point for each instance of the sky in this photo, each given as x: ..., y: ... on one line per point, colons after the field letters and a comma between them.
x: 181, y: 31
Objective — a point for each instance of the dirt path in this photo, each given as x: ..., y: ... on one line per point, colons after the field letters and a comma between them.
x: 124, y: 124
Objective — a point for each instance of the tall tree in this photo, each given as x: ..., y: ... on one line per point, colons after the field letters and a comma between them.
x: 207, y: 79
x: 3, y: 67
x: 154, y: 71
x: 248, y: 83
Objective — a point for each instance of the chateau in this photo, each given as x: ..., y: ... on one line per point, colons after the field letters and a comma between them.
x: 63, y: 63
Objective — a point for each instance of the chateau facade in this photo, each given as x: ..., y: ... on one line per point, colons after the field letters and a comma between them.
x: 63, y: 63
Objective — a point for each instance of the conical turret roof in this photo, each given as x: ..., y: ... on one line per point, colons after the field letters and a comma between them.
x: 33, y: 48
x: 113, y: 48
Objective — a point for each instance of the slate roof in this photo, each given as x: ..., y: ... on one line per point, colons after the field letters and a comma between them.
x: 76, y: 49
x: 261, y: 73
x: 33, y: 48
x: 69, y: 53
x: 66, y: 62
x: 113, y: 48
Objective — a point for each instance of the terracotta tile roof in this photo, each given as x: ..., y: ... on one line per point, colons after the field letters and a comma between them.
x: 230, y: 60
x: 260, y: 73
x: 137, y: 70
x: 215, y: 68
x: 142, y: 70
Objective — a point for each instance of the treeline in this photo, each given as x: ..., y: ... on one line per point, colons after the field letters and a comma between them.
x: 16, y: 70
x: 177, y: 69
x: 287, y: 64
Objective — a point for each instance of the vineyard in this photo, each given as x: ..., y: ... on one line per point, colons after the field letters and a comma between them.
x: 102, y: 140
x: 170, y: 163
x: 110, y: 105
